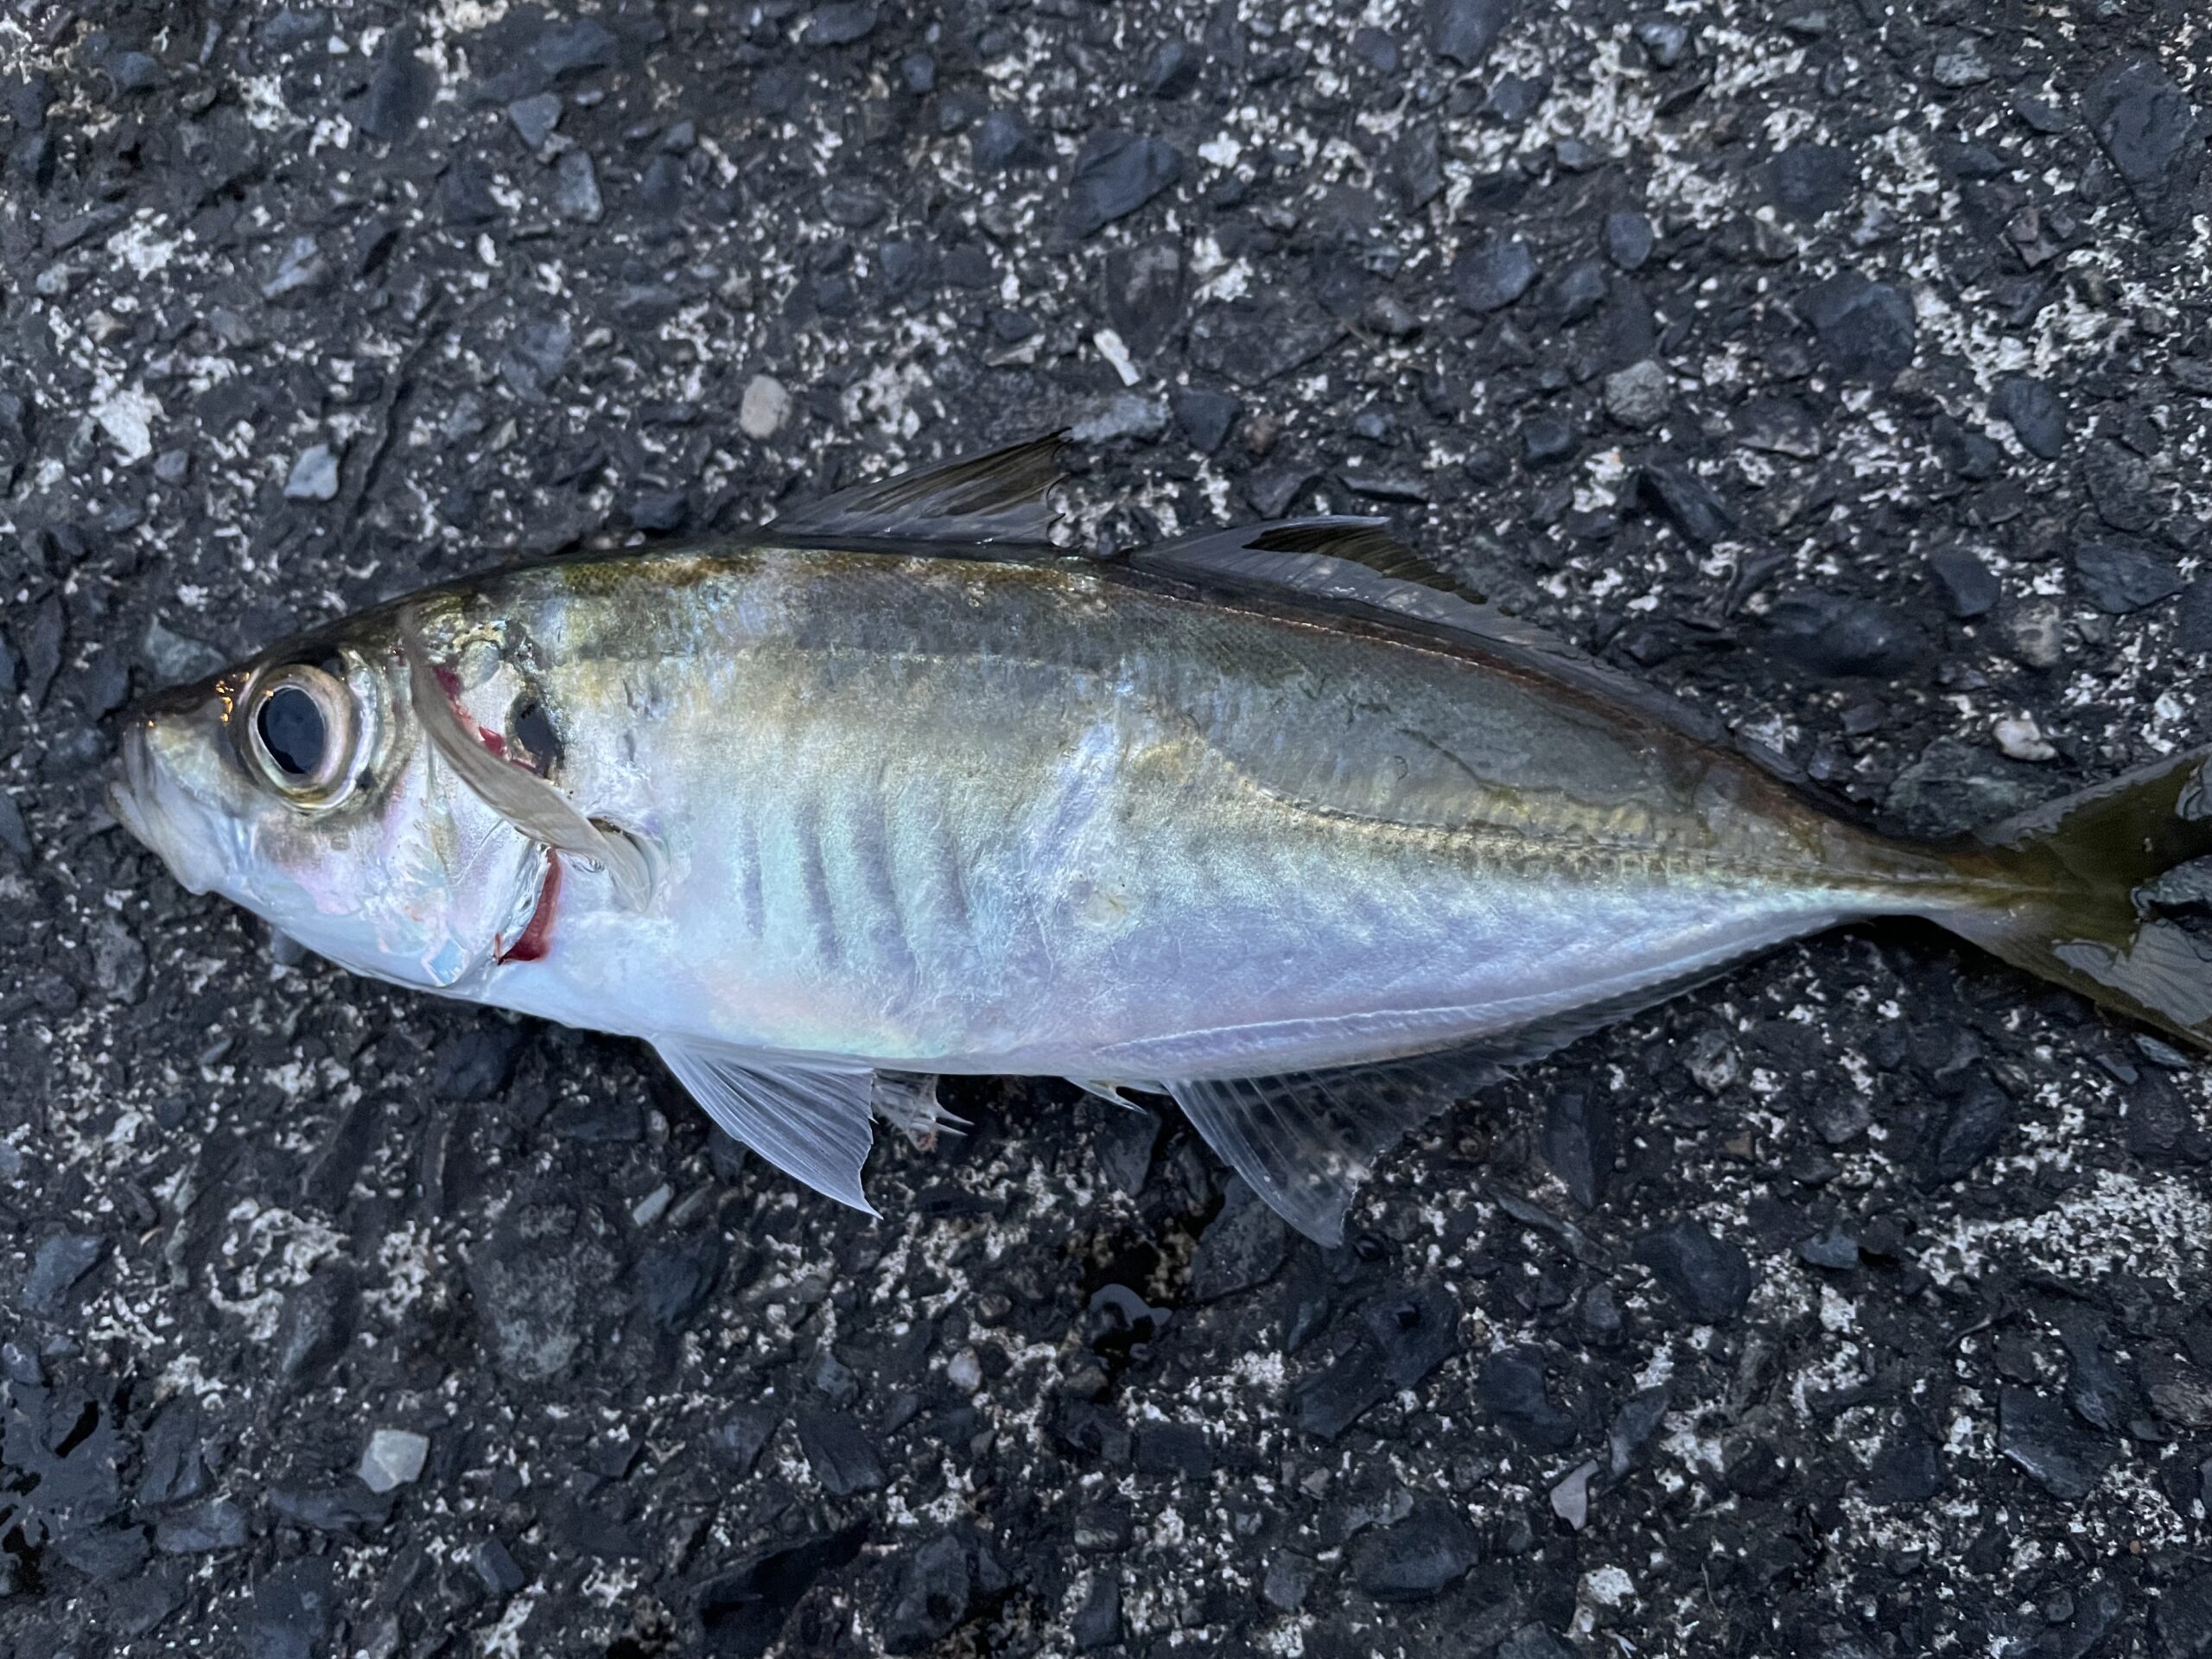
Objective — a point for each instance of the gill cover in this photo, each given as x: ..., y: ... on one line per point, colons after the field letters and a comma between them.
x: 532, y: 805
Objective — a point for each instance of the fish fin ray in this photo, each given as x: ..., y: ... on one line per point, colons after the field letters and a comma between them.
x: 1526, y: 1044
x: 810, y: 1121
x: 535, y: 807
x: 1291, y: 552
x: 1000, y: 500
x: 1305, y: 1140
x: 1354, y: 565
x: 1112, y: 1091
x: 907, y: 1101
x: 2086, y: 896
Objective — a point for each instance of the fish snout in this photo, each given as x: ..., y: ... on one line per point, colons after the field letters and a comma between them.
x: 175, y: 702
x: 144, y: 800
x: 129, y: 795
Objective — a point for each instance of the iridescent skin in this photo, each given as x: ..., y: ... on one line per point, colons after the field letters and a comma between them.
x: 944, y: 815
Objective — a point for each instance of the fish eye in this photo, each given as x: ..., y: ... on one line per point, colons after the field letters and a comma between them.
x: 291, y: 729
x: 299, y: 732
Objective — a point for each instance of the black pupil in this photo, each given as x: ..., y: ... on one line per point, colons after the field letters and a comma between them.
x: 291, y: 730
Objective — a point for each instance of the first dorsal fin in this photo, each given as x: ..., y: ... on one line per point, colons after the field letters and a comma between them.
x: 1356, y: 565
x: 1000, y: 501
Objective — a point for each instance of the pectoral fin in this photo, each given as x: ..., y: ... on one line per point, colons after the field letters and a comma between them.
x: 534, y: 806
x: 809, y: 1120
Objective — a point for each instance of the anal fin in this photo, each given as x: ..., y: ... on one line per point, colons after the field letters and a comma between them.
x: 810, y: 1120
x: 907, y: 1101
x: 1111, y: 1092
x: 1305, y: 1140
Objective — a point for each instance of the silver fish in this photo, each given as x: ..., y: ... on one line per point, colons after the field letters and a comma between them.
x: 1274, y: 820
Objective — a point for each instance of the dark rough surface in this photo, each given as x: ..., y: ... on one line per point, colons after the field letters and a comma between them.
x: 1855, y: 1305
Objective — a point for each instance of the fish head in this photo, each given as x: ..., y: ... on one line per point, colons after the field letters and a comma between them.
x: 298, y: 785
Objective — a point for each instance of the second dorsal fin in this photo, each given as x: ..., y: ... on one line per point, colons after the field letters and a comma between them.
x: 999, y: 502
x: 1356, y: 565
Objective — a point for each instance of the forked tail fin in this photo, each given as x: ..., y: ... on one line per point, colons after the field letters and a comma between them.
x: 2073, y: 892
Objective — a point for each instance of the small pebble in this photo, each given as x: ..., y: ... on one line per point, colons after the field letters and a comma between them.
x: 496, y: 1567
x: 61, y: 1261
x: 1961, y: 68
x: 1122, y: 415
x: 20, y: 1365
x: 1286, y: 1580
x: 1171, y: 70
x: 1116, y: 353
x: 314, y: 476
x: 1628, y: 240
x: 1571, y: 1497
x: 575, y: 189
x: 2019, y: 737
x: 394, y: 1459
x: 1664, y: 41
x: 1834, y: 1249
x: 535, y: 117
x: 1712, y: 1062
x: 2038, y: 633
x: 2122, y: 576
x: 1491, y: 276
x: 964, y: 1372
x: 1545, y: 440
x: 1969, y: 589
x: 765, y: 409
x: 1113, y: 175
x: 1639, y: 395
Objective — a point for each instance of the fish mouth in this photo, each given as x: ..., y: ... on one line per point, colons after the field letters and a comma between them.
x: 130, y: 797
x: 135, y: 799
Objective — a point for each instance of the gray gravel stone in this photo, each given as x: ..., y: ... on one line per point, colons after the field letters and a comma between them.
x: 2123, y: 576
x: 393, y: 1458
x: 1122, y: 416
x: 1709, y: 1276
x: 575, y: 190
x: 61, y: 1262
x: 765, y: 407
x: 1464, y: 31
x: 2038, y: 1433
x: 1490, y: 276
x: 1116, y: 174
x: 1866, y: 329
x: 1640, y: 394
x: 1419, y: 1558
x: 1629, y: 239
x: 314, y: 476
x: 535, y: 116
x: 2034, y: 412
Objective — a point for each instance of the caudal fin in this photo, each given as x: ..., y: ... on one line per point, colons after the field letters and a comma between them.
x: 2072, y: 892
